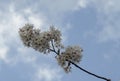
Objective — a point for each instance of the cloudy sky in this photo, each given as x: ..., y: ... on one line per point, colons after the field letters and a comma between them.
x: 92, y: 24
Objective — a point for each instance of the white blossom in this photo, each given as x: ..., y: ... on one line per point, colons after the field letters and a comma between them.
x: 71, y: 53
x: 38, y: 40
x: 26, y: 34
x: 56, y: 35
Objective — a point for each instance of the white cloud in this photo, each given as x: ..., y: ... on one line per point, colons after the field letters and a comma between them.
x: 3, y: 52
x: 102, y: 6
x: 10, y: 23
x: 58, y: 6
x: 109, y: 33
x: 46, y: 73
x: 81, y: 4
x: 26, y: 55
x: 106, y: 6
x: 108, y: 18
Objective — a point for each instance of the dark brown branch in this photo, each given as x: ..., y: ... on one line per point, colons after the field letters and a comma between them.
x: 89, y: 72
x: 53, y: 51
x: 100, y: 77
x: 53, y: 48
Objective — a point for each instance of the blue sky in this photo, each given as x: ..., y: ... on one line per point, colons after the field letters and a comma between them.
x: 92, y: 24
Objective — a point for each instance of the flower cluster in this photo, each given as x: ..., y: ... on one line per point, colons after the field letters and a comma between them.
x: 56, y: 34
x: 40, y: 40
x: 26, y: 34
x: 48, y: 41
x: 71, y: 53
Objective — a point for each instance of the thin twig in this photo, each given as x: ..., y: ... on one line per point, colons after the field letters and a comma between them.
x: 53, y: 51
x: 53, y: 45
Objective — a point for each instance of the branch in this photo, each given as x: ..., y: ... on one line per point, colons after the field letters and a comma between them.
x: 53, y: 46
x: 53, y: 51
x: 57, y: 53
x: 89, y: 72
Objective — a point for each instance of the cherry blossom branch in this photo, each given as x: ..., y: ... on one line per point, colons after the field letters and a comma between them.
x: 44, y: 43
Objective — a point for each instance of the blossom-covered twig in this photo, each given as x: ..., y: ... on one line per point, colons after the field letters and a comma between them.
x: 50, y: 41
